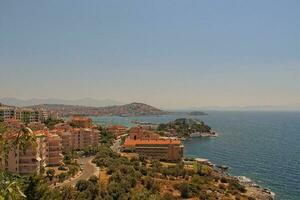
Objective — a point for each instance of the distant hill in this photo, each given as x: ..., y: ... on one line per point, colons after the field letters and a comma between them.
x: 196, y: 113
x: 132, y: 109
x: 79, y: 102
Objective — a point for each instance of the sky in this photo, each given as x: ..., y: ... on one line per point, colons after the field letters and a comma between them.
x: 171, y: 54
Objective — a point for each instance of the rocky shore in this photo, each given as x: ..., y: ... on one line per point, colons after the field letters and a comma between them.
x: 252, y: 189
x: 255, y: 190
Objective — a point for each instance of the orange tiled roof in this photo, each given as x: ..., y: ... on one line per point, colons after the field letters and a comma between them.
x: 131, y: 142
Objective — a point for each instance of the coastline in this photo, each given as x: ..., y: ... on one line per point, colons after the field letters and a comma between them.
x: 252, y: 189
x: 239, y: 135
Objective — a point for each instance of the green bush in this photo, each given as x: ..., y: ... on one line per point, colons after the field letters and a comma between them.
x: 184, y: 189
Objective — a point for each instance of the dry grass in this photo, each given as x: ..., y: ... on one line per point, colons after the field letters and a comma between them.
x: 103, y: 177
x: 129, y: 155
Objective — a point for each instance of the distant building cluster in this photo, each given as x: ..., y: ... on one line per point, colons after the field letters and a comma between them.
x: 77, y: 134
x: 25, y: 115
x: 149, y: 144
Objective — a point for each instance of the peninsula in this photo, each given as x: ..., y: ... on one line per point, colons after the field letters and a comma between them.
x: 184, y: 127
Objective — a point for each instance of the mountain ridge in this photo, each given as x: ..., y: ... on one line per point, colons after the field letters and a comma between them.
x: 131, y: 109
x: 78, y: 102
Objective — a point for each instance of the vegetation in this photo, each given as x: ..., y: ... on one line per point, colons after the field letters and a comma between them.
x: 138, y: 178
x: 123, y: 178
x: 184, y: 127
x: 9, y: 188
x: 132, y: 179
x: 107, y: 138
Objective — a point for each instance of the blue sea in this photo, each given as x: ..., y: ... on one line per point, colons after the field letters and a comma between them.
x: 264, y: 146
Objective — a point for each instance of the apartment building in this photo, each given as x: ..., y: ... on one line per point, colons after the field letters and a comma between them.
x: 23, y: 114
x: 7, y: 113
x: 31, y: 160
x: 27, y: 115
x: 77, y: 138
x: 46, y: 151
x: 66, y: 138
x: 75, y: 135
x: 81, y: 122
x: 54, y: 155
x: 84, y: 137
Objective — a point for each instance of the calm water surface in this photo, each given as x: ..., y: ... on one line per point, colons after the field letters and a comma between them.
x: 264, y: 146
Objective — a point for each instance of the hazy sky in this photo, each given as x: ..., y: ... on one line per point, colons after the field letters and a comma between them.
x: 166, y: 53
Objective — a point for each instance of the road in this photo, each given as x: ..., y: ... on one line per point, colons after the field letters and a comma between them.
x: 88, y: 169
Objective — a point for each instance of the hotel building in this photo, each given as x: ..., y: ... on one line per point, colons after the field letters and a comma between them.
x: 148, y: 144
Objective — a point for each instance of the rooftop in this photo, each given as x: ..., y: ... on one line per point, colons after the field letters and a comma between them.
x: 131, y: 142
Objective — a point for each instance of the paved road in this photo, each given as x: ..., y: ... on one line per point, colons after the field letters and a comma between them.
x: 88, y: 169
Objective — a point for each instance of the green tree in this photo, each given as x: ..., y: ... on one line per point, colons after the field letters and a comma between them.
x: 68, y: 193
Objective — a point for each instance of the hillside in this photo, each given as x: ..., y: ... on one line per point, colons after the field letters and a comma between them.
x: 132, y: 109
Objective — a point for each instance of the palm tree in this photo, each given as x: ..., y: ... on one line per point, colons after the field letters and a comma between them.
x: 10, y: 191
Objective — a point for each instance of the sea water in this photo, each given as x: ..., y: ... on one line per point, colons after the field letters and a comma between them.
x: 264, y: 146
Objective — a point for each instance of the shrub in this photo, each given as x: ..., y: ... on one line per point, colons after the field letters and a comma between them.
x: 62, y: 168
x: 224, y: 180
x: 62, y: 177
x: 222, y: 186
x: 168, y: 196
x: 184, y: 189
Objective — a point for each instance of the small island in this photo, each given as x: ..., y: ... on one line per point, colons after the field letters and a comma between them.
x: 184, y: 127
